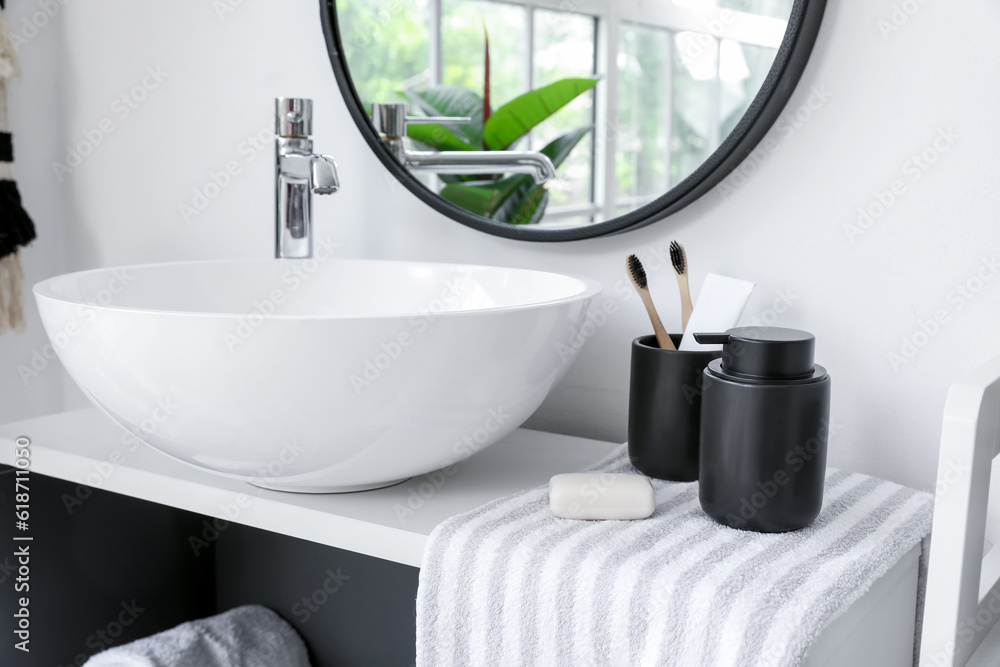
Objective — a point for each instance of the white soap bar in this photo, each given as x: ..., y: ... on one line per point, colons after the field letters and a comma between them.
x: 583, y: 495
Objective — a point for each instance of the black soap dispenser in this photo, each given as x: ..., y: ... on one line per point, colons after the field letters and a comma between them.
x: 765, y: 423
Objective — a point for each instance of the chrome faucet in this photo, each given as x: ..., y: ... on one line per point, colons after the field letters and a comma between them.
x: 390, y: 121
x: 298, y: 173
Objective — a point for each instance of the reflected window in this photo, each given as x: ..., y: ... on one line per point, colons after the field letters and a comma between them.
x: 464, y: 24
x: 387, y: 47
x: 678, y: 78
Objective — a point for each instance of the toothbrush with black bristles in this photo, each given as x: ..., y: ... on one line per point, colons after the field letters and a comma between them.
x: 638, y: 276
x: 678, y: 257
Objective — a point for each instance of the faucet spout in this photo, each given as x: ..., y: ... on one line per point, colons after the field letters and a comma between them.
x: 298, y: 174
x: 325, y: 177
x: 537, y: 165
x: 390, y: 121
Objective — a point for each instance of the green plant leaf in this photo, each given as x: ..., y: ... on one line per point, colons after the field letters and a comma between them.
x: 505, y: 210
x: 515, y: 198
x: 559, y: 148
x: 438, y: 137
x: 516, y: 118
x: 464, y: 178
x: 485, y: 199
x: 526, y: 205
x: 530, y: 209
x: 453, y: 101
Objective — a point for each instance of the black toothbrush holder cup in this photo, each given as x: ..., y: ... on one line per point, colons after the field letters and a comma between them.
x: 664, y: 413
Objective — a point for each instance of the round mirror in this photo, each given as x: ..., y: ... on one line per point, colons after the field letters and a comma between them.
x: 555, y: 120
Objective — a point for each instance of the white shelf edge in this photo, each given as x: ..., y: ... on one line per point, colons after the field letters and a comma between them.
x: 330, y: 529
x: 364, y: 523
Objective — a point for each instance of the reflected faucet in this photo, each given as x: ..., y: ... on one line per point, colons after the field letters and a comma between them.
x: 298, y: 174
x: 390, y: 121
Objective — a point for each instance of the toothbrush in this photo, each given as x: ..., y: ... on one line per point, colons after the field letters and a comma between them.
x: 638, y: 277
x: 678, y: 257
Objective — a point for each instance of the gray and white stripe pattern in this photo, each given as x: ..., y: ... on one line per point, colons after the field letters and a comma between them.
x: 510, y: 584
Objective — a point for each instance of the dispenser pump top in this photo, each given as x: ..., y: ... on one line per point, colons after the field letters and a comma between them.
x: 765, y: 353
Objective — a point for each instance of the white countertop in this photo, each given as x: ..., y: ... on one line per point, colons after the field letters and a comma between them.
x: 85, y: 446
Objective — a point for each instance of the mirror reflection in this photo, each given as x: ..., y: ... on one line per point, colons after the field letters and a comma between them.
x: 623, y: 99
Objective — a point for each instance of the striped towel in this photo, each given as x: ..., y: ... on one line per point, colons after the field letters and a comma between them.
x: 509, y: 584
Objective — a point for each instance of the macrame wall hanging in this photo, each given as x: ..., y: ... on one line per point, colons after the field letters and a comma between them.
x: 16, y: 228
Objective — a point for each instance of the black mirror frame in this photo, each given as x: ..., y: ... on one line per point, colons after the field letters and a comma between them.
x: 789, y: 63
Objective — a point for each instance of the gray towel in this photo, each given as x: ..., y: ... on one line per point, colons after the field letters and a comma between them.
x: 250, y: 636
x: 510, y: 584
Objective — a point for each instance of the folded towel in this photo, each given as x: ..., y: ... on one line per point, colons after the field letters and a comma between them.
x: 250, y: 636
x: 510, y: 584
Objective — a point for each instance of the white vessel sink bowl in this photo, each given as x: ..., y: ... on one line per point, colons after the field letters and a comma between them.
x: 313, y: 376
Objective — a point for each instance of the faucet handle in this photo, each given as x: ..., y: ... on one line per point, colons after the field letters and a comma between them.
x: 325, y: 178
x: 391, y: 120
x: 293, y: 116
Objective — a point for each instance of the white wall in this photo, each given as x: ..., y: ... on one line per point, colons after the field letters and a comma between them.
x: 31, y: 379
x: 781, y: 225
